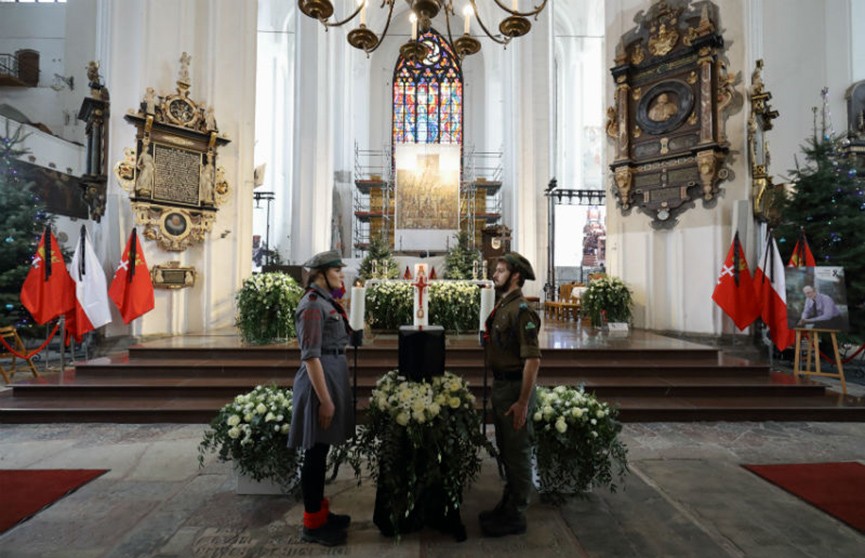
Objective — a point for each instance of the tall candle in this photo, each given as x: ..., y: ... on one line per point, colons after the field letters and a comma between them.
x: 467, y: 12
x: 488, y: 297
x: 363, y: 12
x: 358, y: 308
x: 413, y: 19
x: 516, y: 5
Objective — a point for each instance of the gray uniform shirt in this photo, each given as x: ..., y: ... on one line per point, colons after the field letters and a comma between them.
x: 322, y: 332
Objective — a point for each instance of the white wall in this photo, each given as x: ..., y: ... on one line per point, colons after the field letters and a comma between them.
x: 139, y: 44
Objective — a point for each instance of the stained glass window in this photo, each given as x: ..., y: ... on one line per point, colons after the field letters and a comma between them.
x: 428, y: 96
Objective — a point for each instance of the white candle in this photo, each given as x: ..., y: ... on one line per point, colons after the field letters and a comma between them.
x: 516, y: 5
x: 488, y: 297
x: 358, y: 308
x: 467, y: 13
x: 362, y: 11
x: 413, y: 19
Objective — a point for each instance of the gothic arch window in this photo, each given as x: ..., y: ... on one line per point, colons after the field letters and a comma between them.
x: 428, y: 96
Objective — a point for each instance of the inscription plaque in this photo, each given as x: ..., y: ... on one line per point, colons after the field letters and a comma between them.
x: 177, y: 174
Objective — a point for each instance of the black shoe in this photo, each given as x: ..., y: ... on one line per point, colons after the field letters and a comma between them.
x: 504, y: 525
x: 338, y: 521
x: 327, y: 535
x: 489, y: 515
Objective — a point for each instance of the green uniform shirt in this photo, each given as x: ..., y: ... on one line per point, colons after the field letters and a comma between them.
x: 513, y: 334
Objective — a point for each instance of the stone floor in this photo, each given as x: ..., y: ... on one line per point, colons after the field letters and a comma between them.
x: 686, y: 496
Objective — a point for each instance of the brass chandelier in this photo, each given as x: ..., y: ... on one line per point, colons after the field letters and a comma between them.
x: 516, y: 24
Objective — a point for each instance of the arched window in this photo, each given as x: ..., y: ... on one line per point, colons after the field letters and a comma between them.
x: 428, y: 96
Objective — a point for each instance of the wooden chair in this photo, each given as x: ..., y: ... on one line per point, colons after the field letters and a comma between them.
x: 14, y: 340
x: 813, y: 340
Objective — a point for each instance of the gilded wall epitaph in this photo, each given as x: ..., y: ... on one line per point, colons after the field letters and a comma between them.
x: 172, y: 177
x: 673, y: 96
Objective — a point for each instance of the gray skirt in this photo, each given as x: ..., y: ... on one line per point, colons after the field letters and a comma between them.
x: 305, y: 431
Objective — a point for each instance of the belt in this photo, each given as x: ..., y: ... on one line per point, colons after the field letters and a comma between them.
x: 508, y: 376
x: 332, y: 352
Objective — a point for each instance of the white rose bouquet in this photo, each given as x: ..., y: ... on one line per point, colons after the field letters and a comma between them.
x: 577, y: 441
x: 252, y: 431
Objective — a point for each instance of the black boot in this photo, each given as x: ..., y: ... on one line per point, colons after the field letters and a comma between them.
x: 338, y: 521
x: 489, y: 515
x: 327, y: 535
x: 507, y: 522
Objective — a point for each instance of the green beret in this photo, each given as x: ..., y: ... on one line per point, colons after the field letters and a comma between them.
x: 520, y: 264
x: 325, y: 260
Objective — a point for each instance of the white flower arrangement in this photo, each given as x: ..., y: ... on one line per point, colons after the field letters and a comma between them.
x: 455, y: 305
x: 252, y: 431
x: 421, y: 436
x: 265, y: 307
x: 607, y: 299
x: 577, y: 441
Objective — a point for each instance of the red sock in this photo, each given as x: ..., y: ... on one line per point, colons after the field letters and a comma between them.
x: 315, y: 520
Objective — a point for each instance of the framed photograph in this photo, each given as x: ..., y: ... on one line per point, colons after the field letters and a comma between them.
x: 817, y: 298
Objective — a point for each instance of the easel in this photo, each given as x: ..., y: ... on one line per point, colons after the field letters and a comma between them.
x: 813, y: 340
x: 11, y: 336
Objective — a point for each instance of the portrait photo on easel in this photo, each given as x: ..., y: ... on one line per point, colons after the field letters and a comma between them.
x: 817, y: 298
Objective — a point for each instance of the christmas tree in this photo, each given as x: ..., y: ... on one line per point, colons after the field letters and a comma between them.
x: 379, y: 262
x: 829, y: 203
x: 461, y: 259
x: 22, y: 220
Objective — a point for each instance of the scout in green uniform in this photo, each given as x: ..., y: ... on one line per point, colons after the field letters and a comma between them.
x: 513, y: 355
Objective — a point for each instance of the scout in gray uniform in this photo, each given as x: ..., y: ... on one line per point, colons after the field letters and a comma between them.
x: 513, y: 355
x: 323, y: 412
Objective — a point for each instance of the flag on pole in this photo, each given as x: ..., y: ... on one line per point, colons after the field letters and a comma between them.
x: 771, y: 290
x: 734, y: 292
x: 802, y: 256
x: 48, y: 291
x: 91, y: 309
x: 131, y: 289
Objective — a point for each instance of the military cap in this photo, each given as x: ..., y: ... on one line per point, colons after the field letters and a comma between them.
x: 520, y: 264
x: 325, y: 260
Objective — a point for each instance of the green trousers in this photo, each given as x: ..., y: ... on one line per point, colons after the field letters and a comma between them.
x: 515, y: 446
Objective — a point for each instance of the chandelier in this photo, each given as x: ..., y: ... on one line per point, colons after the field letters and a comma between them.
x: 515, y: 24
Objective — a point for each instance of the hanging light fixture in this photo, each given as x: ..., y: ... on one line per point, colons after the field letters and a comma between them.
x: 515, y: 24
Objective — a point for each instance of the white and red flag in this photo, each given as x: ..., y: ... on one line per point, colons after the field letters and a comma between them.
x: 771, y: 290
x: 131, y: 289
x: 91, y: 308
x: 734, y: 293
x: 48, y: 291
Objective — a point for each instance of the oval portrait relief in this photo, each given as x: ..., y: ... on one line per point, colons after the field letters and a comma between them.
x: 665, y: 106
x: 175, y: 223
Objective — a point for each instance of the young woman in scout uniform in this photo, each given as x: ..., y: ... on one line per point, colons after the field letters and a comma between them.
x: 323, y: 414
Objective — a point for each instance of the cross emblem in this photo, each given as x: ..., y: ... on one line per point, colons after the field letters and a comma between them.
x: 420, y: 284
x: 124, y: 265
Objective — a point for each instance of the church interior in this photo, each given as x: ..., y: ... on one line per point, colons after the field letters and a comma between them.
x: 200, y: 146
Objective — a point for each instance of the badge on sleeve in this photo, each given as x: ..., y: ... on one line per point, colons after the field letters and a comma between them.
x: 531, y: 330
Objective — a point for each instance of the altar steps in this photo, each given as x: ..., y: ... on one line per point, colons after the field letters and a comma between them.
x: 650, y: 378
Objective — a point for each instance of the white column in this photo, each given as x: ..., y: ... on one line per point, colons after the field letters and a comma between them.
x: 312, y: 179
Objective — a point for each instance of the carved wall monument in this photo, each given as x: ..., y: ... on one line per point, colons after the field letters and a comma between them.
x: 672, y: 99
x: 172, y: 176
x: 759, y: 122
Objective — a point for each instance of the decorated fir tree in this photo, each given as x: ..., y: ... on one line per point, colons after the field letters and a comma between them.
x: 828, y: 201
x: 461, y: 258
x: 22, y: 220
x: 379, y: 262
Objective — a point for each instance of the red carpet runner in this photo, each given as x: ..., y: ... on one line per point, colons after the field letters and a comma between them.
x: 23, y: 493
x: 836, y: 488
